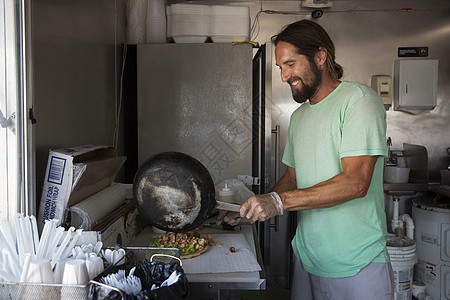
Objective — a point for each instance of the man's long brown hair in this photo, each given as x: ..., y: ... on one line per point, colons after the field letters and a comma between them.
x: 307, y: 36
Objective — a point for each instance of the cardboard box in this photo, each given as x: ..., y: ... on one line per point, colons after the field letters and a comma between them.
x: 74, y: 174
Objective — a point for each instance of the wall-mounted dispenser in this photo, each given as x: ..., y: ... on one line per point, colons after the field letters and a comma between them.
x: 382, y: 84
x: 317, y: 3
x: 415, y: 84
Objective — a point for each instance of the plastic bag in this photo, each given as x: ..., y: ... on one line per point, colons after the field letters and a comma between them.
x: 149, y: 273
x: 241, y: 192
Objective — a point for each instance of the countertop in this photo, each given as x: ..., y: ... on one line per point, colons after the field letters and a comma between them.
x: 221, y: 279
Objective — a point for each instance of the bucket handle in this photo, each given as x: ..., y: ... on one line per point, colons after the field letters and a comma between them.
x: 166, y: 255
x: 108, y: 287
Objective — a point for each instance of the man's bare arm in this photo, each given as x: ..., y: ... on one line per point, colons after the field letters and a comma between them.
x: 353, y: 182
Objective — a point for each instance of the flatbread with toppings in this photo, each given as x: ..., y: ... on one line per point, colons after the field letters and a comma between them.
x: 190, y: 244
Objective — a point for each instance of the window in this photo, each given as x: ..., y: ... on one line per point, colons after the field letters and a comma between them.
x: 16, y: 159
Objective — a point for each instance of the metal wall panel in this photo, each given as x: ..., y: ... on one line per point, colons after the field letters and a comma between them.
x: 197, y: 99
x: 75, y: 58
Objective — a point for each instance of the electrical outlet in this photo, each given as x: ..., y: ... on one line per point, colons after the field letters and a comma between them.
x: 247, y: 179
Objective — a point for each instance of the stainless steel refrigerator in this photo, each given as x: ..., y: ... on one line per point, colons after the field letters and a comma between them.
x: 197, y: 99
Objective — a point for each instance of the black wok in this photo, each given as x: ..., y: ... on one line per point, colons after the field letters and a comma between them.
x: 174, y: 192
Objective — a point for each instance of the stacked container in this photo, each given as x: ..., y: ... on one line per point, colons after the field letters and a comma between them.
x: 229, y: 23
x: 189, y: 23
x: 156, y: 21
x: 194, y: 23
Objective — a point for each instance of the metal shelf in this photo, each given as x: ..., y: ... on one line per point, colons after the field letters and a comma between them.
x: 400, y: 189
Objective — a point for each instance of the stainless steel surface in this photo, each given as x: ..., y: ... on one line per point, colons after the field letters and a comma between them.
x: 76, y: 54
x: 282, y: 105
x: 262, y: 110
x: 268, y: 122
x: 416, y: 157
x: 196, y: 99
x: 406, y: 187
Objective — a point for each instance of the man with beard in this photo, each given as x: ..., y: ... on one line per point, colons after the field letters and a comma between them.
x: 334, y: 154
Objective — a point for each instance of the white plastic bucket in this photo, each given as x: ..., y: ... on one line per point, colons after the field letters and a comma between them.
x: 402, y: 252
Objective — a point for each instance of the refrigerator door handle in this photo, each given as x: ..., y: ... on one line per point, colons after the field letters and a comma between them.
x: 276, y: 132
x: 276, y: 223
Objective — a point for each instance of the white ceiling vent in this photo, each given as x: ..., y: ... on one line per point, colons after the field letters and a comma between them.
x: 317, y: 3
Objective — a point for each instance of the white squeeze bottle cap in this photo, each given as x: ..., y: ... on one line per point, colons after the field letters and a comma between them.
x: 226, y: 194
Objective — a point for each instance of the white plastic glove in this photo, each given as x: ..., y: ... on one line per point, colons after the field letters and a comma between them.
x: 262, y: 207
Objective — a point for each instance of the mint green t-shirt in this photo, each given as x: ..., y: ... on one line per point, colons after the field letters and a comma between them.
x: 341, y: 240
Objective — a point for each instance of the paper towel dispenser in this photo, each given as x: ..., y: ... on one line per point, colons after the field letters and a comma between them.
x: 415, y: 84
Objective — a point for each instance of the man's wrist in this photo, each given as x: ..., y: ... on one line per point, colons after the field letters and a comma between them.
x: 278, y: 203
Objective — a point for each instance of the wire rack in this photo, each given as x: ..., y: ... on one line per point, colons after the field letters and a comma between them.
x: 32, y: 291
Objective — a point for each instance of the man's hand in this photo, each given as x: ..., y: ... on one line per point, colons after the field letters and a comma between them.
x: 262, y: 207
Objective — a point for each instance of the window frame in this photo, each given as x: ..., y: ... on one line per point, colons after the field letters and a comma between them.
x: 17, y: 184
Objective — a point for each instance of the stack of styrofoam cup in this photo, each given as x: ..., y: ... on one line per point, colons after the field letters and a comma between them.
x: 189, y: 23
x: 94, y: 266
x: 136, y: 21
x: 75, y: 273
x: 40, y: 271
x: 59, y: 270
x: 156, y: 21
x: 229, y: 23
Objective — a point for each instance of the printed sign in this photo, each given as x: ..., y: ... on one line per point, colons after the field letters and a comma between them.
x: 413, y: 52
